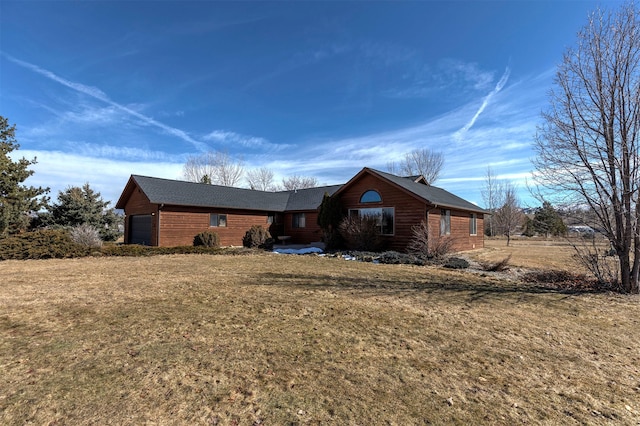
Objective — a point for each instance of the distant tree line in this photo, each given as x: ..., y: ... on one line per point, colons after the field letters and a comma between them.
x: 218, y: 168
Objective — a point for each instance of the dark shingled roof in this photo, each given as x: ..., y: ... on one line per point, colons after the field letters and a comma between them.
x: 181, y: 193
x: 432, y: 194
x: 310, y: 198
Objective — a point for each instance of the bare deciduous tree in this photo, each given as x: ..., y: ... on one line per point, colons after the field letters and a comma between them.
x: 294, y: 182
x: 217, y: 168
x: 491, y: 195
x: 508, y: 217
x: 261, y: 179
x: 588, y: 146
x: 419, y: 162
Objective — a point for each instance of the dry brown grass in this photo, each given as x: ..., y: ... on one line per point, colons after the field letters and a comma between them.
x: 535, y: 253
x: 267, y: 339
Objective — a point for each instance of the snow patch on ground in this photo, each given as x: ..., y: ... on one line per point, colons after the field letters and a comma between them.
x: 305, y: 250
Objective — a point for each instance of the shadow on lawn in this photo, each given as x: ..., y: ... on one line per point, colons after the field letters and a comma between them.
x: 474, y: 287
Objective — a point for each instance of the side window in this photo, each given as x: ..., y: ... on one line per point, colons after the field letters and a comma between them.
x: 473, y: 224
x: 218, y: 220
x: 298, y: 220
x: 445, y: 222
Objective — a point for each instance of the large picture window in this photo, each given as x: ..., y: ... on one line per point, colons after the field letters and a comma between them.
x: 298, y: 220
x: 445, y: 222
x: 385, y: 217
x: 218, y: 220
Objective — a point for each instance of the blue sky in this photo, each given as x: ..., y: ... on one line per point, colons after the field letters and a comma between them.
x: 101, y: 90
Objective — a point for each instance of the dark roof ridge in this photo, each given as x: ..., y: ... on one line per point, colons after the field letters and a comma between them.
x: 312, y: 188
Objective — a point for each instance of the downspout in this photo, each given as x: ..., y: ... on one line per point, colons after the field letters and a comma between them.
x: 158, y: 230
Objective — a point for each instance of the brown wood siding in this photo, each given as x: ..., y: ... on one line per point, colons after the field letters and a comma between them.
x: 309, y: 234
x: 139, y: 204
x: 408, y: 211
x: 460, y: 236
x: 178, y: 225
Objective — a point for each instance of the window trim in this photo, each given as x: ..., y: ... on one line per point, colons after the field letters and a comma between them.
x: 217, y: 223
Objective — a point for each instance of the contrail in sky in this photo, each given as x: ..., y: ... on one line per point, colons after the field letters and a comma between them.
x: 101, y: 96
x: 501, y: 83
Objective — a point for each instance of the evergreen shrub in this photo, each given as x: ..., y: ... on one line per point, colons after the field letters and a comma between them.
x: 207, y: 239
x: 258, y: 237
x: 41, y: 244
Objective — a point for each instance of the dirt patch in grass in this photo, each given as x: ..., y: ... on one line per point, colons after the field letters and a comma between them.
x: 267, y: 339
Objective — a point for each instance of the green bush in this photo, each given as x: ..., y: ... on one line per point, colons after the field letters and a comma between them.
x: 207, y: 239
x: 258, y: 237
x: 135, y: 250
x: 41, y: 244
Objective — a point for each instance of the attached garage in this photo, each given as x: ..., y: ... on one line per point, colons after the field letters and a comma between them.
x: 140, y: 229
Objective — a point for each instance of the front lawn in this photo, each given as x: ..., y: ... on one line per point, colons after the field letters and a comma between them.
x: 273, y: 339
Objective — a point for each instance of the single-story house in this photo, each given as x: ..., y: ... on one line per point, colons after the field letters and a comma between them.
x: 163, y: 212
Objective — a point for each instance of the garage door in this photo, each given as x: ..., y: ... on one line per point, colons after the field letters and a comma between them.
x: 140, y: 232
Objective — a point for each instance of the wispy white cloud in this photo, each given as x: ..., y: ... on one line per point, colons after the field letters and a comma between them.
x: 504, y: 142
x: 94, y: 116
x: 121, y: 152
x: 426, y: 80
x: 501, y: 83
x: 470, y: 72
x: 228, y: 138
x: 60, y: 170
x: 98, y: 94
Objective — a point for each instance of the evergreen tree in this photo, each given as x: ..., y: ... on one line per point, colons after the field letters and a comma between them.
x: 547, y: 221
x: 79, y: 206
x: 17, y: 201
x: 329, y: 218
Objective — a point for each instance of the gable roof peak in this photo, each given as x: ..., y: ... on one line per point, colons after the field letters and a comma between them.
x: 428, y: 193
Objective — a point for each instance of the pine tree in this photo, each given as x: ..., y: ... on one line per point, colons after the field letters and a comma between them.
x: 547, y: 221
x: 17, y: 201
x: 79, y: 206
x: 329, y: 218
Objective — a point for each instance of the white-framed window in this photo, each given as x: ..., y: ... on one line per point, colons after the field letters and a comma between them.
x: 218, y: 220
x: 298, y: 220
x: 445, y: 222
x: 385, y: 217
x: 473, y: 224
